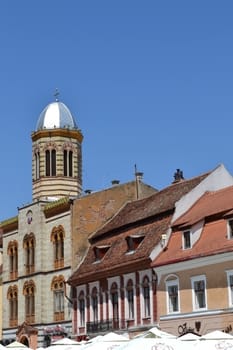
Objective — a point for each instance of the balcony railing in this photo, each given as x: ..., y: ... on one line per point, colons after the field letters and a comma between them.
x: 105, y: 325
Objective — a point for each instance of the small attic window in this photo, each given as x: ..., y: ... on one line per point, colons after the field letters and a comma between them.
x: 100, y: 252
x: 186, y: 239
x: 133, y: 242
x: 230, y: 228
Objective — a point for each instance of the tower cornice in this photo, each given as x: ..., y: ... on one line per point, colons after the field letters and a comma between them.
x: 74, y: 133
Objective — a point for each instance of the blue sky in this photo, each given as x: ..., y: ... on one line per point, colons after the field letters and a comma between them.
x: 149, y: 83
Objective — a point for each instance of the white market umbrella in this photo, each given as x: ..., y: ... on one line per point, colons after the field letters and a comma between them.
x: 154, y: 344
x: 189, y: 337
x: 155, y: 332
x: 65, y: 341
x: 113, y: 337
x: 16, y: 345
x: 109, y: 341
x: 65, y: 347
x: 214, y: 340
x: 65, y: 344
x: 212, y: 344
x: 217, y: 335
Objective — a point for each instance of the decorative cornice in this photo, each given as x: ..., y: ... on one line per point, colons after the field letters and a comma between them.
x: 70, y: 133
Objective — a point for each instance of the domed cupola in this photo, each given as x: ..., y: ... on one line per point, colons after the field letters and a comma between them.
x: 56, y: 115
x: 57, y: 154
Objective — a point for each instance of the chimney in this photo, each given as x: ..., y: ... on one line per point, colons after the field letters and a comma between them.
x: 115, y: 182
x: 178, y: 176
x: 139, y: 176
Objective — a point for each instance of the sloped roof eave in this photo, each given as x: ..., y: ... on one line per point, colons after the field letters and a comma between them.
x: 107, y: 272
x: 191, y: 257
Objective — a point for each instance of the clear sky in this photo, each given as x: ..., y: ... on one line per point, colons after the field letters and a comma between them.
x: 149, y: 83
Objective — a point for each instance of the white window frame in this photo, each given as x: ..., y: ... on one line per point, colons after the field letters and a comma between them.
x: 112, y: 280
x: 127, y: 277
x: 170, y: 283
x: 183, y: 240
x: 230, y: 290
x: 229, y: 229
x: 194, y: 296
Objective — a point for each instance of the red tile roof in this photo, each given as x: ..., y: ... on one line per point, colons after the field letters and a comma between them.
x: 117, y: 259
x: 211, y: 203
x: 213, y: 239
x: 155, y: 204
x: 150, y: 217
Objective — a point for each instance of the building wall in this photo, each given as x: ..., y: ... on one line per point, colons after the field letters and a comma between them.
x: 44, y: 267
x: 125, y: 323
x: 218, y: 312
x: 90, y: 212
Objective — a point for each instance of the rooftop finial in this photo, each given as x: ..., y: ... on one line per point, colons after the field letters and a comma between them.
x: 56, y: 94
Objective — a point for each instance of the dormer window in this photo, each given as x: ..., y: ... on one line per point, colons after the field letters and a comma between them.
x: 230, y: 228
x: 100, y: 252
x: 186, y: 239
x: 133, y: 242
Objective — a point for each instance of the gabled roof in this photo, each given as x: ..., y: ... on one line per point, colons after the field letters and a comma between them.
x: 215, y: 206
x: 211, y: 203
x: 155, y: 204
x: 117, y: 258
x: 150, y: 217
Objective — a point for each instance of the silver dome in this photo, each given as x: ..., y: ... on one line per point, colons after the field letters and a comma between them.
x: 56, y: 115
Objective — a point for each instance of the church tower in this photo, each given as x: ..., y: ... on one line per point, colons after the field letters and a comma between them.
x: 56, y: 154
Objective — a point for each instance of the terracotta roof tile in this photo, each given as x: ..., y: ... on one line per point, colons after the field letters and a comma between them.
x: 155, y: 204
x: 134, y: 218
x: 211, y: 203
x: 213, y: 240
x: 117, y: 257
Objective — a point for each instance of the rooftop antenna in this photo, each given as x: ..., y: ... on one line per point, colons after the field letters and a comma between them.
x: 56, y: 94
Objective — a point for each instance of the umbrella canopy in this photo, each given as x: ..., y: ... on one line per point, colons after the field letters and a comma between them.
x: 17, y: 345
x: 65, y: 341
x: 107, y: 342
x: 213, y: 344
x: 155, y: 332
x: 217, y: 335
x: 189, y: 336
x: 154, y: 344
x: 113, y: 337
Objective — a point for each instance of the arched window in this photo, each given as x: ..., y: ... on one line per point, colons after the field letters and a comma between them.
x: 57, y: 237
x: 81, y: 308
x: 37, y: 165
x: 146, y: 297
x: 57, y: 285
x: 29, y: 293
x: 50, y: 162
x: 115, y: 305
x: 12, y: 251
x: 68, y: 163
x: 29, y: 248
x: 130, y: 299
x: 94, y: 304
x: 12, y: 296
